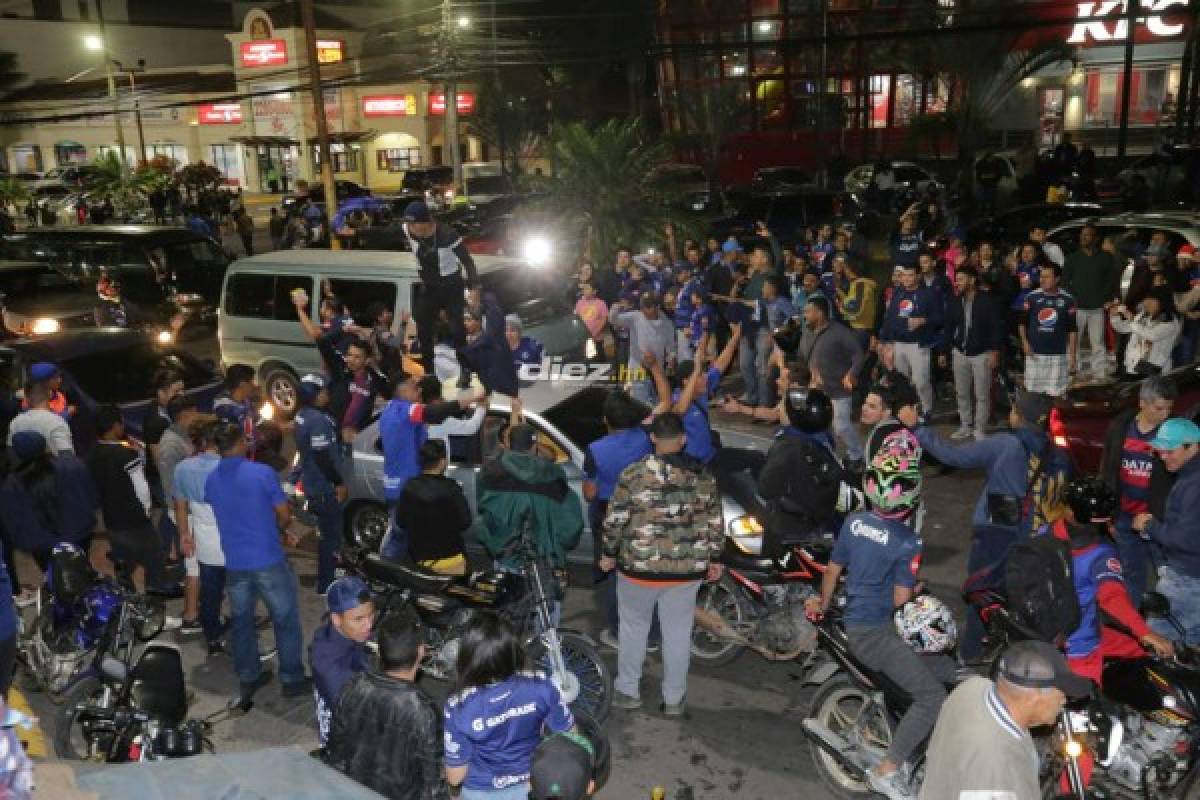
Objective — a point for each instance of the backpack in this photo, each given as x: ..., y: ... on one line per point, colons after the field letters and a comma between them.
x: 807, y: 501
x: 1041, y: 588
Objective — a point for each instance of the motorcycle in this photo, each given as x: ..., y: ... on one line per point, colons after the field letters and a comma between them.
x: 1142, y: 729
x: 444, y: 603
x: 758, y: 604
x: 70, y: 623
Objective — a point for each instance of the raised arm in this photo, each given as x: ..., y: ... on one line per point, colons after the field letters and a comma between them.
x: 306, y: 323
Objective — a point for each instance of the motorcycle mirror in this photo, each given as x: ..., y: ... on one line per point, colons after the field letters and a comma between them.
x: 1154, y: 604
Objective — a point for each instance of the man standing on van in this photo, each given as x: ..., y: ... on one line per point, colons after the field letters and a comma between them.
x: 441, y: 259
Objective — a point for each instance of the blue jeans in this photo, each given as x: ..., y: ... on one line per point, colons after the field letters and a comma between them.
x: 1136, y: 557
x: 212, y: 590
x: 277, y: 587
x: 1183, y: 592
x: 748, y: 364
x: 331, y: 520
x: 845, y: 427
x: 394, y: 546
x: 518, y: 792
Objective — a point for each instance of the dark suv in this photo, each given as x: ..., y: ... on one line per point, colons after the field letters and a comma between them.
x: 162, y: 270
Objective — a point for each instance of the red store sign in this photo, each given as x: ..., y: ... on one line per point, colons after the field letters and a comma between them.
x: 437, y: 103
x: 219, y: 114
x: 264, y: 53
x: 389, y: 105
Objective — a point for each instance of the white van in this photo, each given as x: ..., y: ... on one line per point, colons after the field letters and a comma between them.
x: 257, y: 323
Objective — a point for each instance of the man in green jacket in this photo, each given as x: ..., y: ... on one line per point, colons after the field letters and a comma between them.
x: 519, y: 488
x: 1091, y: 276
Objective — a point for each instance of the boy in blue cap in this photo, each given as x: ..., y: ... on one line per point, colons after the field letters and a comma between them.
x: 48, y: 375
x: 339, y: 647
x: 1177, y: 534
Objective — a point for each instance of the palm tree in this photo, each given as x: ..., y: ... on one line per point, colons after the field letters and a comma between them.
x: 984, y: 58
x: 128, y: 189
x: 597, y: 187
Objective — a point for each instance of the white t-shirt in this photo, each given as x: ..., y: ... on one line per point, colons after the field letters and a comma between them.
x: 51, y: 426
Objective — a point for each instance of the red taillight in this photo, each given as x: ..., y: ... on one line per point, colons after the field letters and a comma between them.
x: 1058, y: 431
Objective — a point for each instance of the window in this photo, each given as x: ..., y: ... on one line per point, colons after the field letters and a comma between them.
x: 265, y: 296
x: 1101, y: 98
x: 176, y: 152
x: 359, y: 296
x: 125, y: 375
x: 880, y: 94
x: 397, y: 159
x: 226, y: 158
x: 343, y: 157
x: 104, y: 150
x: 26, y: 158
x: 906, y: 99
x: 580, y: 417
x: 67, y: 153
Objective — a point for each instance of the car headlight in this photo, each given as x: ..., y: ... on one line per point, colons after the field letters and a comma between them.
x: 747, y: 534
x: 43, y: 326
x: 537, y: 250
x: 165, y: 337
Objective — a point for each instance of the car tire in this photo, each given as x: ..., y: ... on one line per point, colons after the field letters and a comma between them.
x: 281, y: 387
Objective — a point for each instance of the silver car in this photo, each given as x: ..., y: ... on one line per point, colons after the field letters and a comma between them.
x: 1131, y: 233
x: 568, y: 417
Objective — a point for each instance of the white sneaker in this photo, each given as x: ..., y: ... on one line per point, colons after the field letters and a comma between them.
x: 964, y: 432
x: 892, y: 786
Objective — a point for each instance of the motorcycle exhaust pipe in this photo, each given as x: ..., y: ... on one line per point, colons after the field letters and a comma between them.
x: 835, y: 746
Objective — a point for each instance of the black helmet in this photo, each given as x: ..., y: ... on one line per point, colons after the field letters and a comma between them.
x: 809, y: 410
x: 1090, y: 499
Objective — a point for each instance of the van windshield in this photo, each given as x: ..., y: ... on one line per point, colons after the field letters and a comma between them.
x: 535, y: 295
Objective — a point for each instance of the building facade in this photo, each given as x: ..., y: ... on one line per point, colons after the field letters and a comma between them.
x: 251, y: 115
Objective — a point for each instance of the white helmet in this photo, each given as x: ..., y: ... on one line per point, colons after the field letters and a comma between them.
x: 926, y: 624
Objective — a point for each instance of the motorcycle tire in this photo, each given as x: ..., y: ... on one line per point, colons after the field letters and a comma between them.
x: 593, y: 672
x: 66, y: 722
x: 827, y: 701
x: 723, y: 598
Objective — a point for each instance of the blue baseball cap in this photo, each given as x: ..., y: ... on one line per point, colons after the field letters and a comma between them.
x: 42, y: 371
x: 1175, y: 433
x: 417, y: 211
x: 311, y: 385
x: 346, y: 594
x: 731, y: 246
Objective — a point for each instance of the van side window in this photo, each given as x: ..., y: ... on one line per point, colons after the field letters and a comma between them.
x: 264, y: 296
x: 359, y: 296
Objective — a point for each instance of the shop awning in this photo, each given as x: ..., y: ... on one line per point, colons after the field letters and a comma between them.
x: 266, y: 141
x: 347, y: 137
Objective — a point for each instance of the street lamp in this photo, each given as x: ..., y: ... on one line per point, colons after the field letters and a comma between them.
x: 93, y: 42
x: 98, y: 43
x: 464, y: 22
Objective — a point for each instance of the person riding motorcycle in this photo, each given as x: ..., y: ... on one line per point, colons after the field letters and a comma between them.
x: 803, y: 482
x: 1099, y: 585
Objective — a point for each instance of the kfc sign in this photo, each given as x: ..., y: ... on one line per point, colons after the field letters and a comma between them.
x: 1106, y: 21
x: 390, y: 105
x: 219, y: 114
x: 265, y: 53
x: 437, y: 103
x: 330, y: 51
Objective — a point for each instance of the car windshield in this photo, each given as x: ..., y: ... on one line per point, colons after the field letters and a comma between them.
x: 489, y: 184
x: 784, y: 176
x: 194, y: 264
x: 535, y: 295
x: 756, y: 208
x: 126, y: 374
x: 580, y: 417
x: 420, y: 179
x: 25, y: 282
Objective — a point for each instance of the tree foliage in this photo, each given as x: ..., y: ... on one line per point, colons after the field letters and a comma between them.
x: 596, y: 188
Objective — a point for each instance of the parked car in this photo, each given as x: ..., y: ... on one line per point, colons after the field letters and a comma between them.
x: 781, y: 179
x: 162, y: 270
x: 1079, y: 421
x: 1132, y: 233
x: 568, y: 417
x: 316, y: 193
x: 681, y: 186
x: 907, y: 174
x: 107, y: 365
x: 37, y: 299
x: 434, y: 185
x: 1170, y: 167
x: 1012, y: 226
x: 485, y: 189
x: 257, y: 322
x: 80, y: 176
x: 785, y: 213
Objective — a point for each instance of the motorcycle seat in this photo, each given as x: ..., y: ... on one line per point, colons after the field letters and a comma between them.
x: 396, y: 574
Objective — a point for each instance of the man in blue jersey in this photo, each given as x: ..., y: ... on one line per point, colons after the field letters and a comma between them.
x: 1049, y: 335
x: 911, y: 324
x: 402, y: 431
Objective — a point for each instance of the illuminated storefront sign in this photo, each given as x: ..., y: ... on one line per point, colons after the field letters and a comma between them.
x: 219, y: 114
x: 389, y: 105
x: 264, y: 53
x: 437, y: 103
x: 330, y: 51
x: 1106, y: 21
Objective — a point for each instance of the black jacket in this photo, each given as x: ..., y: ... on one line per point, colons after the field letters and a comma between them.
x: 801, y: 482
x: 1161, y: 479
x: 340, y: 379
x: 387, y: 735
x: 434, y: 511
x: 986, y: 329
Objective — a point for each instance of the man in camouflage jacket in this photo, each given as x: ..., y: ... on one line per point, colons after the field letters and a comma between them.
x: 663, y: 533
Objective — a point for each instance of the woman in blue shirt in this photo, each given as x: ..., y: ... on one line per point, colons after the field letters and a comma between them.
x: 496, y: 718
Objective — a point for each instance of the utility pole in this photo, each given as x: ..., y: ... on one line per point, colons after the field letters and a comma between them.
x: 112, y: 87
x: 450, y: 60
x: 137, y: 103
x: 318, y: 101
x: 1132, y: 7
x: 822, y: 81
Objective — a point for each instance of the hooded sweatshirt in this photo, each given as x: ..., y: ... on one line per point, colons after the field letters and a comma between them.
x: 434, y: 511
x: 521, y: 488
x: 335, y: 659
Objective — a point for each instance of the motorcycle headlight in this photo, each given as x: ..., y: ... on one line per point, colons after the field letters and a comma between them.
x: 747, y: 534
x: 165, y: 337
x: 43, y: 326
